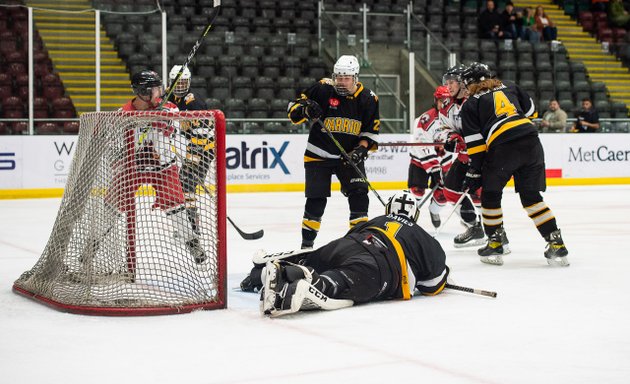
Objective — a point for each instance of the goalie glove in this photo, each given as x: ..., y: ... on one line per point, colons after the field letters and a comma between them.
x: 358, y: 154
x: 472, y: 181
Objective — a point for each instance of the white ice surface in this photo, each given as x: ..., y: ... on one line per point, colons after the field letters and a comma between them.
x: 547, y: 325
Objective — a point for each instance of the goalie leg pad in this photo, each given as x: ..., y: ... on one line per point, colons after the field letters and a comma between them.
x: 302, y: 296
x: 287, y: 289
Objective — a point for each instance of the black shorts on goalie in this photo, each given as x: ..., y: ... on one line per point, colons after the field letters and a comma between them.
x: 388, y: 257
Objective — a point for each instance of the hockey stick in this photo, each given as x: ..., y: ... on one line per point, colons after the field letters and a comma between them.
x: 471, y: 290
x: 455, y: 206
x: 428, y: 196
x: 407, y: 144
x: 247, y: 236
x: 347, y: 158
x: 216, y: 8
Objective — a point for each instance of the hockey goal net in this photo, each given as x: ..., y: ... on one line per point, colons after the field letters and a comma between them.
x: 141, y: 226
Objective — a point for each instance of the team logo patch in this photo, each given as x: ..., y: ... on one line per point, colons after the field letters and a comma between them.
x: 333, y: 102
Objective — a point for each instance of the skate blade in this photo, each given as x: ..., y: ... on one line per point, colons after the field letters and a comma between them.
x: 472, y: 243
x: 560, y: 261
x: 493, y: 260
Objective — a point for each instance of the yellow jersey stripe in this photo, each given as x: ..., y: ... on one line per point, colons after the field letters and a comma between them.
x: 406, y: 292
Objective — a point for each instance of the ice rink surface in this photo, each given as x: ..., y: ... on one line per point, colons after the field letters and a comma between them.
x: 547, y: 325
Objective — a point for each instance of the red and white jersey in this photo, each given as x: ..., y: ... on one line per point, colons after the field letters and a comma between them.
x: 450, y: 120
x: 159, y: 136
x: 425, y: 127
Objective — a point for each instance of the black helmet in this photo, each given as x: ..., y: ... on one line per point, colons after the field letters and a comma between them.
x: 476, y: 72
x: 143, y: 81
x: 454, y: 73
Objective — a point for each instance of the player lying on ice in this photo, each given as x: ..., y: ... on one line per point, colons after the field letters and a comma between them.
x: 387, y: 257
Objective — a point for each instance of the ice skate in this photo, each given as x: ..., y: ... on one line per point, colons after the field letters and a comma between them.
x: 435, y: 219
x: 307, y: 244
x: 472, y: 236
x: 195, y: 249
x: 556, y: 252
x: 496, y: 247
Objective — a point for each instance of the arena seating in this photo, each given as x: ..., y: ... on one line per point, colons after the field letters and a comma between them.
x: 14, y: 79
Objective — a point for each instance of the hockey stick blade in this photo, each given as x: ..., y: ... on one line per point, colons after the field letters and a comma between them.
x: 471, y: 290
x: 247, y: 236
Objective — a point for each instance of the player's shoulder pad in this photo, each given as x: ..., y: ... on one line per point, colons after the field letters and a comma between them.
x: 363, y: 92
x: 326, y: 81
x: 189, y: 98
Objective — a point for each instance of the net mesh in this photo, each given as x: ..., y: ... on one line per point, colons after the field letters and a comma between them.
x: 141, y: 227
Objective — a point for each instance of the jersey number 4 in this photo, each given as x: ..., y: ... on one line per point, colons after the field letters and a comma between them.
x: 502, y: 105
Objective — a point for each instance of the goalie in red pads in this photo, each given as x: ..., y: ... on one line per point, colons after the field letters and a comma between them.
x: 153, y: 162
x: 387, y: 257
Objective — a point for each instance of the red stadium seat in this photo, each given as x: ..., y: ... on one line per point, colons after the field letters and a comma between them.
x: 62, y: 103
x: 5, y: 91
x: 19, y: 128
x: 71, y: 127
x: 47, y: 129
x: 51, y: 79
x: 4, y: 128
x: 40, y: 108
x: 5, y: 79
x: 52, y: 92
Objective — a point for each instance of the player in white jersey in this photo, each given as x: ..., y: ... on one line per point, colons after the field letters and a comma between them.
x: 451, y: 135
x: 428, y: 163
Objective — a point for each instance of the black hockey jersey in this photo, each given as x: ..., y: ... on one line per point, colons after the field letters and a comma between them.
x: 420, y: 257
x: 496, y: 116
x: 199, y: 135
x: 188, y: 102
x: 350, y: 119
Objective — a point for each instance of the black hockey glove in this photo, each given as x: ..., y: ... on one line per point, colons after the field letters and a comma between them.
x: 472, y: 182
x: 436, y: 178
x: 312, y: 110
x: 358, y: 154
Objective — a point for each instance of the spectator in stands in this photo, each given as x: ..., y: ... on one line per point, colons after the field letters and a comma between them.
x: 554, y: 119
x: 587, y: 118
x: 618, y: 15
x: 512, y: 28
x: 544, y: 24
x: 529, y: 24
x: 490, y: 22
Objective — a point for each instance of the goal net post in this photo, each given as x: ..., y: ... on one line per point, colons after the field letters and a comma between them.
x: 141, y: 229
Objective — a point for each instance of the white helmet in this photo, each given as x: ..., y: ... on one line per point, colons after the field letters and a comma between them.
x: 183, y: 84
x: 347, y: 65
x: 403, y: 203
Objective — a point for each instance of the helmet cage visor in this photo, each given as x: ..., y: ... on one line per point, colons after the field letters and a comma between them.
x: 182, y: 86
x: 341, y: 86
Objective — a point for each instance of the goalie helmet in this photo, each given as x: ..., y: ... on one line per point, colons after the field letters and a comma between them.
x: 403, y: 203
x: 347, y: 65
x: 183, y: 84
x: 475, y: 73
x: 143, y: 82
